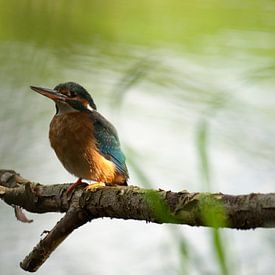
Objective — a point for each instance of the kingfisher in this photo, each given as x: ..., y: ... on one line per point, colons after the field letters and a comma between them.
x: 85, y: 142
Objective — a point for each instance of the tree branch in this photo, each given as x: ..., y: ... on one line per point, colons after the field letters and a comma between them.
x: 158, y: 206
x: 72, y: 220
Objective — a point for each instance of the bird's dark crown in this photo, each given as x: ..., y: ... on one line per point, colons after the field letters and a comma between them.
x: 72, y: 89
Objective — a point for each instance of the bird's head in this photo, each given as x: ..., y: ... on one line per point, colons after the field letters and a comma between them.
x: 68, y: 97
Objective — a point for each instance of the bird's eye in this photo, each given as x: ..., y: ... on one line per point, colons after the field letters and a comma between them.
x: 72, y: 94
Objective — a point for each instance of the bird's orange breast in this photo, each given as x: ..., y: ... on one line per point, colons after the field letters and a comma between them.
x: 71, y: 136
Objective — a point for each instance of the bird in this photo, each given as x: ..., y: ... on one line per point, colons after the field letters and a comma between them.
x: 84, y: 141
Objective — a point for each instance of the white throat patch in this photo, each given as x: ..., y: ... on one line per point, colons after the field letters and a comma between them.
x: 90, y: 108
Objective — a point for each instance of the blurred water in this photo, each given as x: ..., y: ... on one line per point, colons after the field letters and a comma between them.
x: 156, y: 97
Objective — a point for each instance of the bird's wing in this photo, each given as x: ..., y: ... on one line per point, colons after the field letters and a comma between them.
x: 108, y: 142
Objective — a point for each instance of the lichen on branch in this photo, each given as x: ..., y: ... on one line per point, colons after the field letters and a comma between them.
x: 130, y: 202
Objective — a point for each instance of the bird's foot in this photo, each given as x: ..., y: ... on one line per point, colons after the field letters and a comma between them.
x: 94, y: 186
x: 74, y: 185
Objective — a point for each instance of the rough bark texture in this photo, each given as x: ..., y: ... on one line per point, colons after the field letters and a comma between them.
x: 159, y: 206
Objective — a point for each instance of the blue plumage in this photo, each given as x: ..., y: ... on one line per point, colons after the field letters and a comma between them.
x: 108, y: 142
x: 75, y: 130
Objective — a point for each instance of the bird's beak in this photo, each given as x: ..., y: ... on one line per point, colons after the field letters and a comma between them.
x: 50, y: 93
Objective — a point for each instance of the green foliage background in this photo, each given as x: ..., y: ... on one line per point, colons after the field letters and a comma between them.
x: 190, y: 87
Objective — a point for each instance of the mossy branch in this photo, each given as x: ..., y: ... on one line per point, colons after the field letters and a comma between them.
x: 130, y: 202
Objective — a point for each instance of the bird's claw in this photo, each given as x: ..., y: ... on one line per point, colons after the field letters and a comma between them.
x: 94, y: 186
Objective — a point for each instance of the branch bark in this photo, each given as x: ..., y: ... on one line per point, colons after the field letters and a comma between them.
x: 158, y: 206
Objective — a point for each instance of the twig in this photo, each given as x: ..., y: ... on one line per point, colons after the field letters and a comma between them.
x: 72, y: 220
x: 158, y: 206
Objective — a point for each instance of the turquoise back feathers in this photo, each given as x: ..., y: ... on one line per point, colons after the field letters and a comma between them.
x: 108, y: 142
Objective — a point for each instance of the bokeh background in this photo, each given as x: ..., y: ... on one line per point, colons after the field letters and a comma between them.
x: 190, y: 87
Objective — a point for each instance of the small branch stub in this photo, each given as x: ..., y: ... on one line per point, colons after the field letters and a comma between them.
x: 129, y: 202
